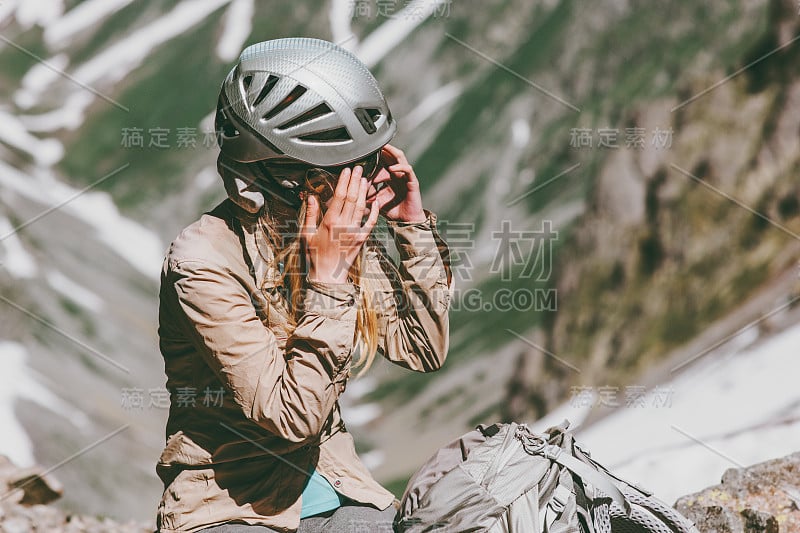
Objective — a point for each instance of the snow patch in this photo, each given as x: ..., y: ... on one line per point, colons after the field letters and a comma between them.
x: 79, y: 19
x: 238, y: 25
x: 38, y: 78
x: 206, y: 178
x: 16, y: 260
x: 432, y: 103
x: 69, y: 116
x: 15, y: 442
x: 46, y: 152
x: 7, y: 9
x: 392, y: 32
x: 575, y: 414
x: 372, y: 459
x: 520, y: 133
x: 17, y: 380
x: 206, y: 124
x: 122, y: 57
x: 359, y: 415
x: 112, y: 64
x: 133, y: 242
x: 359, y: 387
x: 744, y: 406
x: 41, y: 12
x: 130, y: 240
x: 341, y: 14
x: 79, y: 294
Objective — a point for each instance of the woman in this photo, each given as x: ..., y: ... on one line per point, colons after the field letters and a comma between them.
x: 269, y: 299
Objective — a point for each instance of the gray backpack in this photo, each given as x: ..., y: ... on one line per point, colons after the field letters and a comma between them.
x: 504, y: 478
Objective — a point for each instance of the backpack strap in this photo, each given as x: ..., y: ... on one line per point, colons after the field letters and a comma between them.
x: 582, y: 503
x: 588, y: 459
x: 587, y: 473
x: 556, y: 505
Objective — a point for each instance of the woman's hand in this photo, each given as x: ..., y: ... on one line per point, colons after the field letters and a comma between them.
x: 400, y: 199
x: 331, y: 248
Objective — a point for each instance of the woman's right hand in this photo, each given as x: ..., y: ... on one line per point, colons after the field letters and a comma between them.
x: 332, y: 247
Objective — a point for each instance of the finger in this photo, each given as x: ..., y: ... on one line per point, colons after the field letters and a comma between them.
x: 385, y: 161
x: 351, y: 199
x: 340, y: 193
x: 407, y: 172
x: 372, y: 219
x: 401, y: 168
x: 398, y: 154
x: 372, y: 195
x: 390, y: 202
x: 362, y: 198
x: 386, y: 154
x: 382, y: 179
x: 386, y: 197
x: 310, y: 221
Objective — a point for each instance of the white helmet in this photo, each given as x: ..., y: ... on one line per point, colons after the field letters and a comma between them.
x: 302, y: 98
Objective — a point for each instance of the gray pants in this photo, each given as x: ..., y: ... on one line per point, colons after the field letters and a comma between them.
x: 344, y: 519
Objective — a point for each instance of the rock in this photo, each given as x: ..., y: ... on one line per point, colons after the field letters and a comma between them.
x: 35, y: 487
x: 758, y: 521
x: 28, y: 486
x: 16, y: 524
x: 757, y: 499
x: 24, y: 495
x: 718, y: 519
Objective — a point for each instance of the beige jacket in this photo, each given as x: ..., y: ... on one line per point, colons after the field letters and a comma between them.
x: 254, y: 405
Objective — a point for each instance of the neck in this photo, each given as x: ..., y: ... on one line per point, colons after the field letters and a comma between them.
x: 280, y: 221
x: 280, y: 212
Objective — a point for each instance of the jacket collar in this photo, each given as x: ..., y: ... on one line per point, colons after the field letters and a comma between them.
x: 258, y: 253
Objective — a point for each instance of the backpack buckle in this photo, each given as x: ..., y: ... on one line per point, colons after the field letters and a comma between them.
x: 559, y: 499
x: 552, y: 451
x: 531, y: 442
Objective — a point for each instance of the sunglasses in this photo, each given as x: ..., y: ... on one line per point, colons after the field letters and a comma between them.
x: 321, y: 181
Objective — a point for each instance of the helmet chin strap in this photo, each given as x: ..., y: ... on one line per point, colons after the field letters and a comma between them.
x: 239, y: 183
x: 246, y: 184
x: 287, y: 192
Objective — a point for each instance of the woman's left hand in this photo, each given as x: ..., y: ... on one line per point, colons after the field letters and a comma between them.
x: 400, y: 199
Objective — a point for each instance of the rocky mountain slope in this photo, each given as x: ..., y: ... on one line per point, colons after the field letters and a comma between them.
x: 652, y: 235
x: 675, y: 239
x: 762, y: 498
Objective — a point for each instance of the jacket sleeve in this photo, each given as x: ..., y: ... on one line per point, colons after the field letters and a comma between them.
x: 413, y: 297
x: 290, y: 393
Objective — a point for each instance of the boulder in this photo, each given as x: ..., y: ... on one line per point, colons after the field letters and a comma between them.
x: 27, y: 486
x: 24, y: 497
x: 763, y: 498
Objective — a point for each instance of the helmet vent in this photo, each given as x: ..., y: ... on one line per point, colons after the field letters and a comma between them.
x: 225, y: 125
x: 265, y: 90
x: 246, y: 81
x: 296, y: 93
x: 318, y: 111
x: 367, y: 118
x: 328, y: 136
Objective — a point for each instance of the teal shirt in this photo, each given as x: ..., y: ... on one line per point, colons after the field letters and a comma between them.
x: 318, y: 496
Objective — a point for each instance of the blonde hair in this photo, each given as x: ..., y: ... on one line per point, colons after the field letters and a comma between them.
x: 288, y: 252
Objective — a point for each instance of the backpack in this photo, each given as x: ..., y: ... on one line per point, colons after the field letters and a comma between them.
x: 504, y: 478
